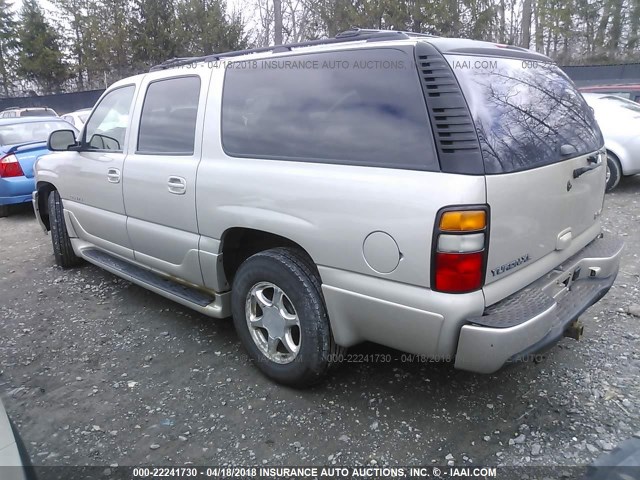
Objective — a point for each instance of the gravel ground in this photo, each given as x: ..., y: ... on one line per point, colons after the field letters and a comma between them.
x: 97, y: 371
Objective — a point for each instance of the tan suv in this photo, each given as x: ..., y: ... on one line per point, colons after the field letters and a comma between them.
x: 439, y: 196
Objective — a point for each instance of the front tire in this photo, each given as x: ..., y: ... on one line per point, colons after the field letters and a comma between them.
x: 281, y: 318
x: 62, y: 249
x: 4, y: 211
x: 614, y: 172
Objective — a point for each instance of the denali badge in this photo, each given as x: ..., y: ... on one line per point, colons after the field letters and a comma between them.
x: 508, y: 266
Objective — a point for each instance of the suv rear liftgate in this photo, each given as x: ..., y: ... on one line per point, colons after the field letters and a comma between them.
x: 518, y: 120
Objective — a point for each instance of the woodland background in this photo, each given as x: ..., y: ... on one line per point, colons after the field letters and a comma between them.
x: 77, y: 45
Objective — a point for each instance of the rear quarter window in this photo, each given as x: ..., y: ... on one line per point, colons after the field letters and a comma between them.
x: 524, y: 112
x: 360, y: 107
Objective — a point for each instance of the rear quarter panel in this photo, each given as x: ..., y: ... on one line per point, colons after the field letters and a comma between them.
x: 327, y: 209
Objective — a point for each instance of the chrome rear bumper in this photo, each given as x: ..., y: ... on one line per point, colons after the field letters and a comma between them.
x: 537, y: 316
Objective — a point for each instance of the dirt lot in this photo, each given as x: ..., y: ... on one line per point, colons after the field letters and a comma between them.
x: 96, y: 371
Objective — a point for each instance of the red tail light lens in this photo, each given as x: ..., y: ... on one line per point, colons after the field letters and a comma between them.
x: 460, y: 245
x: 9, y: 167
x: 458, y: 272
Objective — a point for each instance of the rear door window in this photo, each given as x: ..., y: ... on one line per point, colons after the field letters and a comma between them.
x: 524, y: 112
x: 361, y: 107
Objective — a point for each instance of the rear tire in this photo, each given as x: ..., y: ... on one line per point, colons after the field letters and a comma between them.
x: 614, y: 172
x: 62, y: 249
x: 281, y: 318
x: 4, y: 211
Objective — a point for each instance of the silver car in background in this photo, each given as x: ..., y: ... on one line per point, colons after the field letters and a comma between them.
x: 77, y: 118
x: 619, y: 120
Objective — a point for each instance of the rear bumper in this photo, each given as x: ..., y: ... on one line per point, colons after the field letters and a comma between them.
x: 537, y: 316
x: 16, y: 190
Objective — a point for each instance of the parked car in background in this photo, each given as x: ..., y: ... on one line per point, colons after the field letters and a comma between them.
x: 77, y: 118
x: 12, y: 451
x: 619, y: 120
x: 630, y: 91
x: 408, y: 198
x: 22, y: 141
x: 28, y: 112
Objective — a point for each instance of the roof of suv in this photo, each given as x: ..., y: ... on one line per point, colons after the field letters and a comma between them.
x: 347, y: 38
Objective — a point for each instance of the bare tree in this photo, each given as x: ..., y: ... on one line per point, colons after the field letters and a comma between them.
x: 277, y: 22
x: 526, y: 23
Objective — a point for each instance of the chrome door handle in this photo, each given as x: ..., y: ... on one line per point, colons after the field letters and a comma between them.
x: 177, y: 185
x: 113, y: 175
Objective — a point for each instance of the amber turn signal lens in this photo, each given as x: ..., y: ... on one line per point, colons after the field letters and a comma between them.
x: 463, y: 221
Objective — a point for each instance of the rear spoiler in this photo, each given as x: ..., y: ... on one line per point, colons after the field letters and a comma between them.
x: 15, y: 148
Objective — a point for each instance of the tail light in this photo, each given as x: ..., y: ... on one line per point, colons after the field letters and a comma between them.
x: 460, y: 245
x: 9, y: 167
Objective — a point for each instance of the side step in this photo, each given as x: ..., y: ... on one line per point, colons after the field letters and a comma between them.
x: 214, y: 305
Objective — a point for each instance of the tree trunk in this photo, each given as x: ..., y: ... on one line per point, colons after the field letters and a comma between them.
x: 616, y: 27
x: 277, y: 21
x: 602, y: 27
x: 632, y: 42
x: 526, y: 23
x: 3, y: 73
x: 540, y: 13
x: 503, y: 22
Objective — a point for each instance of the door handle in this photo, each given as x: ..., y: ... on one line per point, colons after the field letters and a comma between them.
x: 113, y: 175
x: 593, y: 162
x: 177, y: 185
x: 578, y: 172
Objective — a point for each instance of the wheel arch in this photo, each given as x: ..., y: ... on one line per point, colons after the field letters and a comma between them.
x: 239, y: 243
x: 619, y: 154
x: 44, y: 189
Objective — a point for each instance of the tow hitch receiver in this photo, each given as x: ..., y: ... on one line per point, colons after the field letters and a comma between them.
x: 574, y: 330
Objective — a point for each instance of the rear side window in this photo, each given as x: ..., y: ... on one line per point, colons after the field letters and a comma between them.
x: 169, y: 113
x: 354, y: 107
x: 524, y: 112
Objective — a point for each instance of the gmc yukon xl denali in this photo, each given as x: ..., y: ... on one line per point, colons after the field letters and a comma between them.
x: 439, y: 196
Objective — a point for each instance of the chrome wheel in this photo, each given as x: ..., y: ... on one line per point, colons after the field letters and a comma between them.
x: 273, y: 322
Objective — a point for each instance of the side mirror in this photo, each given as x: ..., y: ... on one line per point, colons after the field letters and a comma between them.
x: 61, y: 140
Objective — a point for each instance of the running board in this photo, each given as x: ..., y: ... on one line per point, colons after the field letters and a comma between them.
x: 214, y: 305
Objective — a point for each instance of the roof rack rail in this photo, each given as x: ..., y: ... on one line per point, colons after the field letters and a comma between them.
x: 352, y: 35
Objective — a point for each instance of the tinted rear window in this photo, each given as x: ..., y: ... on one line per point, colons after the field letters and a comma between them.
x: 524, y: 112
x: 361, y: 107
x: 621, y: 102
x: 37, y: 113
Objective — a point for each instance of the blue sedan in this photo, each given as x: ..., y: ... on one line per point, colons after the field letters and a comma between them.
x: 22, y: 141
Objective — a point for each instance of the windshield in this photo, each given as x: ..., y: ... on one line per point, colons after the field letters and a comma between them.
x: 38, y: 113
x: 524, y: 112
x: 16, y: 133
x: 622, y: 102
